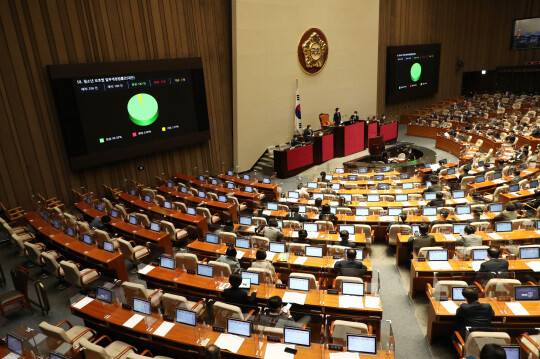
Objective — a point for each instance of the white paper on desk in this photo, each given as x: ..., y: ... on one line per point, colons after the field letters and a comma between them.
x: 270, y: 255
x: 362, y: 204
x: 292, y: 200
x: 435, y: 166
x: 432, y: 218
x: 499, y: 180
x: 406, y: 204
x: 294, y: 234
x: 146, y: 269
x: 282, y: 200
x: 240, y: 254
x: 476, y: 265
x: 450, y: 237
x: 517, y: 308
x: 277, y: 350
x: 344, y: 355
x: 537, y: 232
x: 422, y: 203
x: 251, y: 228
x: 439, y: 265
x: 293, y: 297
x: 163, y: 329
x: 360, y: 218
x: 350, y: 301
x: 534, y: 265
x: 398, y: 191
x: 494, y: 235
x: 450, y: 306
x: 229, y: 342
x: 373, y: 191
x: 372, y: 302
x: 133, y: 321
x: 530, y: 191
x: 81, y: 303
x: 300, y: 260
x: 397, y: 181
x: 387, y: 218
x: 311, y: 201
x: 464, y: 217
x: 11, y: 356
x: 267, y: 212
x: 313, y: 235
x: 334, y: 203
x: 461, y: 200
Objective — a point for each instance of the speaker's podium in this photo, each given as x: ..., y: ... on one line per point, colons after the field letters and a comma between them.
x: 376, y: 145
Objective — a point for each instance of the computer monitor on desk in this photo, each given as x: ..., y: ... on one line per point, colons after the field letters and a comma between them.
x: 373, y: 198
x: 276, y: 247
x: 166, y: 262
x: 362, y: 170
x: 318, y: 195
x: 495, y: 207
x: 430, y: 195
x: 242, y: 243
x: 364, y: 344
x: 402, y: 197
x: 272, y: 206
x: 526, y: 292
x: 479, y: 254
x: 104, y: 295
x: 405, y: 176
x: 311, y: 227
x: 463, y: 209
x: 383, y: 186
x: 292, y: 194
x: 266, y: 180
x: 352, y: 178
x: 329, y: 177
x: 15, y: 344
x: 87, y: 238
x: 205, y: 270
x: 301, y: 284
x: 108, y: 246
x: 312, y: 185
x: 352, y: 288
x: 346, y: 197
x: 347, y: 227
x: 378, y: 177
x: 296, y: 336
x: 222, y: 199
x: 186, y: 317
x: 529, y: 252
x: 512, y: 351
x: 133, y: 220
x: 451, y: 171
x: 252, y: 276
x: 480, y: 179
x: 513, y: 188
x: 336, y: 186
x: 212, y: 238
x: 362, y: 211
x: 395, y: 211
x: 340, y: 170
x: 429, y: 211
x: 155, y: 226
x: 408, y: 185
x: 437, y: 255
x: 503, y: 227
x: 239, y: 327
x: 141, y: 306
x: 457, y: 294
x: 314, y: 251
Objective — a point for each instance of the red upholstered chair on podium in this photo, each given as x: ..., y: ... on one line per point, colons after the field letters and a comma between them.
x: 376, y: 145
x: 325, y: 120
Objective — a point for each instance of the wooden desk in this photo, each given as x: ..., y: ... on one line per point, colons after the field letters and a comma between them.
x: 270, y: 189
x: 42, y: 349
x: 424, y: 131
x: 449, y: 145
x: 253, y: 198
x: 89, y: 256
x: 289, y: 162
x: 139, y: 234
x: 181, y: 341
x: 320, y: 267
x: 491, y: 185
x: 520, y: 196
x: 214, y: 206
x: 316, y: 302
x: 421, y: 272
x: 441, y: 323
x: 200, y: 222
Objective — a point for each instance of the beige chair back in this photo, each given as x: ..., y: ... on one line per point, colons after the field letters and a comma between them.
x: 227, y: 238
x: 188, y: 261
x: 221, y: 269
x: 54, y: 332
x: 51, y: 264
x: 476, y: 341
x: 72, y: 273
x: 341, y: 328
x: 222, y: 311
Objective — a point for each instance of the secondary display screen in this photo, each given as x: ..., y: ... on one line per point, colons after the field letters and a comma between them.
x: 526, y: 34
x: 412, y: 71
x: 114, y: 111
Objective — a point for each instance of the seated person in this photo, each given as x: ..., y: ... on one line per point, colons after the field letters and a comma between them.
x: 323, y: 177
x: 435, y: 186
x: 422, y: 240
x: 302, y: 236
x: 277, y: 317
x: 308, y: 132
x: 326, y: 214
x: 295, y: 141
x: 295, y: 216
x: 212, y: 352
x: 477, y: 215
x: 469, y: 239
x: 100, y: 223
x: 230, y: 258
x: 350, y: 266
x: 465, y: 173
x: 492, y: 351
x: 517, y: 178
x: 318, y: 202
x: 438, y: 201
x: 237, y: 296
x: 302, y: 191
x: 473, y: 313
x: 403, y: 216
x: 229, y: 227
x: 344, y: 236
x: 494, y: 264
x: 444, y: 215
x: 272, y: 231
x: 478, y: 199
x: 261, y: 262
x: 508, y: 214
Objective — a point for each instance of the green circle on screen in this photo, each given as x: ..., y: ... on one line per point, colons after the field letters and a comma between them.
x: 416, y: 70
x: 142, y: 109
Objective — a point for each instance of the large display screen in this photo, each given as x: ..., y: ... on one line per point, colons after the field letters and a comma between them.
x: 114, y: 111
x: 526, y: 34
x: 412, y: 71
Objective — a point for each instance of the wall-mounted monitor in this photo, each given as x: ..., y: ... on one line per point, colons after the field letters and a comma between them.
x: 113, y: 111
x: 526, y: 34
x: 412, y: 71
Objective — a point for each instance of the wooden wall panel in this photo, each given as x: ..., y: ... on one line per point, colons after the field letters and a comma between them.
x: 476, y: 31
x: 36, y: 33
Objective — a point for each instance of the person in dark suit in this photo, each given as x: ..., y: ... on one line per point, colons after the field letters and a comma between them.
x: 302, y: 236
x: 492, y: 351
x: 326, y: 215
x: 323, y: 177
x: 438, y: 201
x: 354, y: 116
x: 403, y: 216
x: 308, y: 132
x: 516, y: 178
x: 435, y: 186
x: 422, y: 240
x: 344, y: 236
x: 473, y: 313
x: 295, y: 141
x: 295, y: 216
x: 351, y: 265
x: 508, y: 214
x: 337, y: 117
x: 444, y: 215
x: 100, y: 223
x: 237, y: 296
x: 465, y: 173
x: 536, y: 132
x: 494, y: 264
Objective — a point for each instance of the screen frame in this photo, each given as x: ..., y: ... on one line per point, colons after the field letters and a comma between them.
x: 514, y: 29
x: 70, y: 71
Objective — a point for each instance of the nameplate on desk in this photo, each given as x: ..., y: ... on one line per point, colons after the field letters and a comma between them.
x: 332, y: 232
x: 336, y: 257
x: 189, y: 271
x: 332, y: 291
x: 420, y: 259
x: 281, y: 286
x: 218, y: 329
x: 335, y: 347
x: 298, y: 254
x: 168, y: 319
x: 201, y: 239
x: 126, y: 307
x: 273, y: 339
